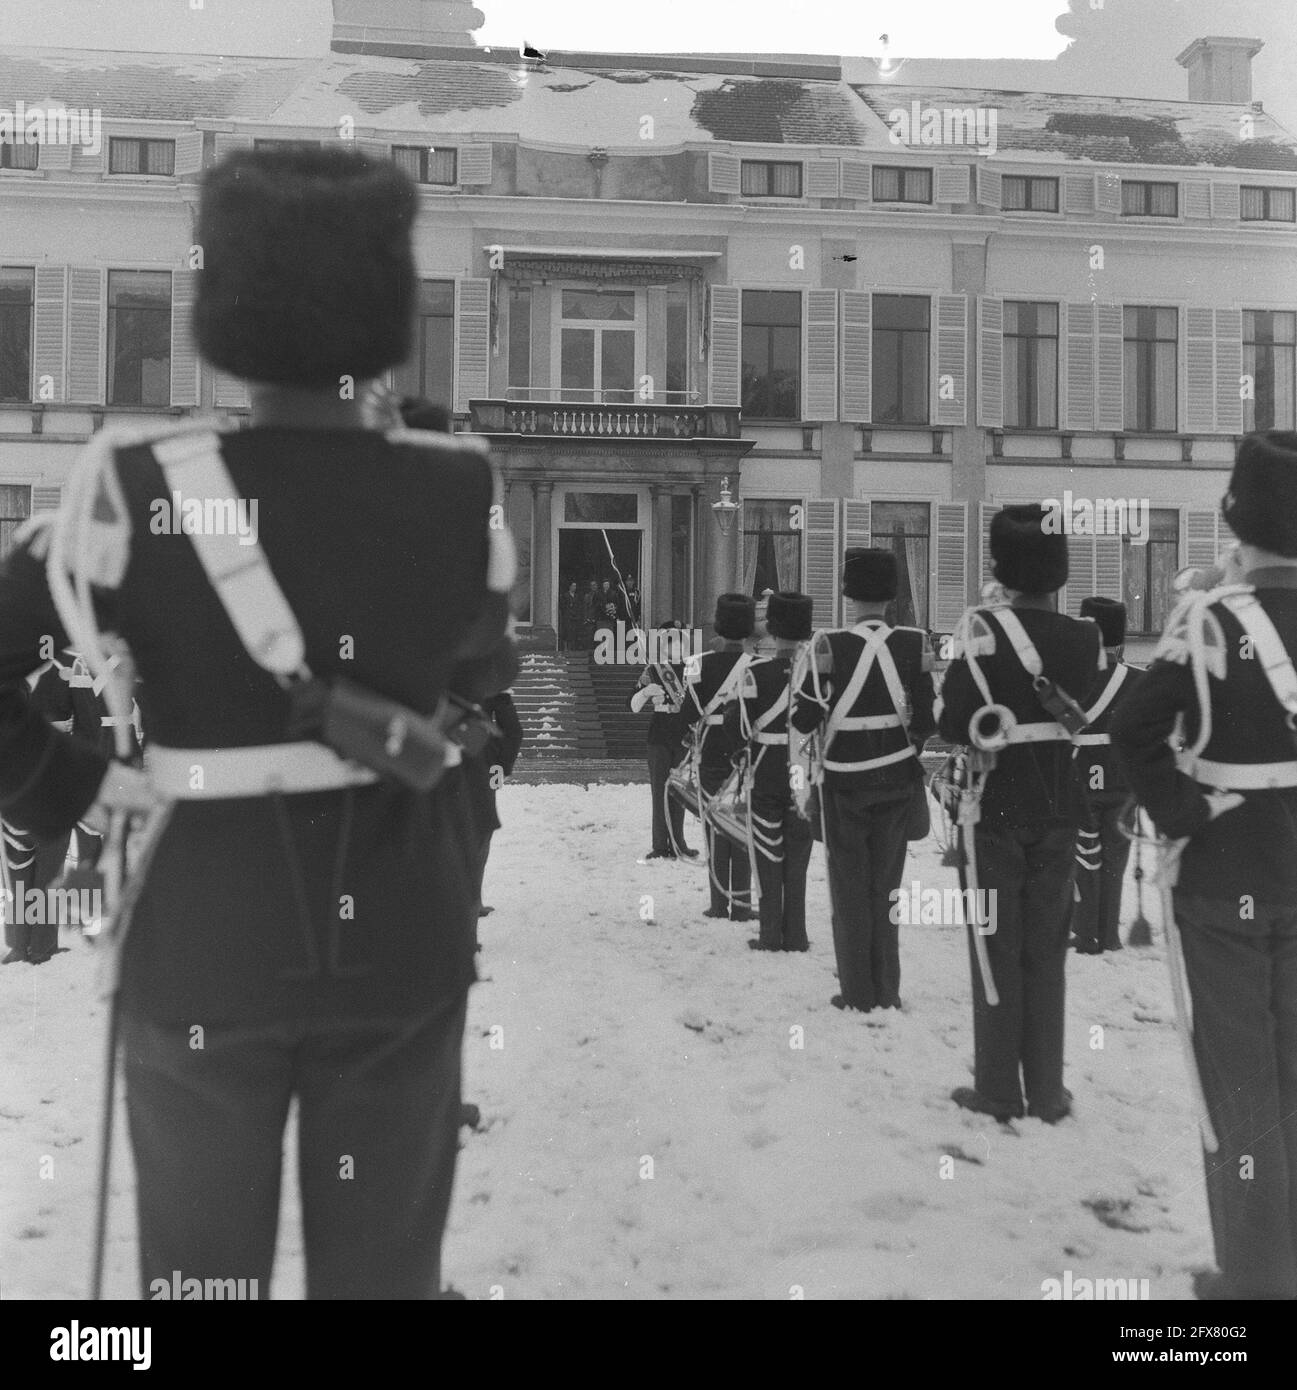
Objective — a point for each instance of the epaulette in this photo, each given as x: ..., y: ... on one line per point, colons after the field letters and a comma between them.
x: 694, y: 669
x: 749, y: 687
x: 973, y: 636
x: 1191, y: 624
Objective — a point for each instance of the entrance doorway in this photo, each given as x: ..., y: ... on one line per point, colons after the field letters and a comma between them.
x: 583, y: 560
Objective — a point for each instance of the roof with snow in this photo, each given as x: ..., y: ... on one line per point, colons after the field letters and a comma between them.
x: 565, y: 103
x: 1110, y: 130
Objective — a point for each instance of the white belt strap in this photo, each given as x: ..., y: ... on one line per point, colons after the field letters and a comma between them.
x: 899, y: 756
x: 854, y: 723
x: 1043, y: 732
x: 1269, y: 647
x: 1115, y: 682
x: 876, y: 650
x: 1243, y: 777
x: 240, y: 574
x: 763, y: 736
x: 201, y: 774
x: 1022, y: 644
x: 1092, y: 740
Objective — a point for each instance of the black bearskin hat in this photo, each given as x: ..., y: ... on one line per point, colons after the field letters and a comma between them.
x: 789, y: 616
x: 869, y: 576
x: 308, y: 273
x: 1110, y: 615
x: 736, y: 616
x: 1261, y: 504
x: 1027, y: 558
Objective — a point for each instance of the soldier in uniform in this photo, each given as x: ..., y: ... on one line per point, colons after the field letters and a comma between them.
x: 1031, y: 809
x: 1229, y: 798
x: 782, y: 837
x: 712, y: 681
x: 485, y: 772
x: 665, y: 747
x: 1102, y: 851
x: 875, y: 702
x: 306, y: 929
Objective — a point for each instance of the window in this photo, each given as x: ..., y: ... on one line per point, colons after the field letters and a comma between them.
x: 141, y: 156
x: 903, y: 528
x: 772, y: 545
x: 430, y: 371
x: 772, y: 354
x: 1149, y: 199
x: 677, y: 391
x: 520, y: 341
x: 20, y: 155
x: 17, y: 285
x: 1268, y: 204
x: 900, y: 373
x: 15, y: 508
x: 139, y: 337
x: 600, y: 344
x: 1019, y: 193
x: 893, y: 185
x: 601, y: 508
x: 276, y: 144
x: 1147, y: 571
x: 1268, y: 353
x: 1030, y: 365
x: 1149, y: 368
x: 764, y: 178
x: 427, y: 165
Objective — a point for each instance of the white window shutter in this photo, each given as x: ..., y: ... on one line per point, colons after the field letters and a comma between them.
x: 820, y: 392
x: 857, y: 355
x: 230, y: 391
x: 184, y: 352
x: 473, y: 164
x: 86, y: 335
x: 986, y: 510
x: 857, y: 180
x: 1229, y: 371
x: 822, y: 178
x: 227, y: 143
x: 989, y: 186
x: 1080, y: 573
x: 1200, y: 537
x: 951, y: 184
x: 49, y: 339
x: 1079, y: 341
x: 56, y: 156
x: 1197, y: 198
x: 722, y: 172
x: 1107, y: 193
x: 990, y: 361
x: 46, y: 499
x: 723, y: 338
x: 1110, y: 376
x: 1225, y: 202
x: 1107, y: 567
x: 1078, y: 192
x: 189, y: 153
x: 823, y: 556
x: 951, y: 565
x: 857, y: 524
x: 952, y: 353
x: 1200, y: 370
x: 472, y: 340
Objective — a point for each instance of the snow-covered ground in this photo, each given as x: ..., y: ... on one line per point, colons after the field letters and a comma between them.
x: 838, y: 1169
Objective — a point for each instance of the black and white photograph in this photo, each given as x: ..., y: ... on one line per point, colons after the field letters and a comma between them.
x: 647, y: 655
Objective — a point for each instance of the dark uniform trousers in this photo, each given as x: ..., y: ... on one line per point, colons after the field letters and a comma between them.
x: 730, y: 864
x: 783, y: 883
x: 864, y: 843
x: 661, y: 760
x: 378, y: 1116
x: 1030, y: 870
x: 1102, y: 855
x: 1242, y: 975
x: 37, y: 867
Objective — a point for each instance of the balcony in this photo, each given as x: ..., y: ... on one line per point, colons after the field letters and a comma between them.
x: 618, y: 423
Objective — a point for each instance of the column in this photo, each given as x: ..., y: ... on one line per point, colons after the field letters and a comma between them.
x: 542, y: 588
x: 663, y: 599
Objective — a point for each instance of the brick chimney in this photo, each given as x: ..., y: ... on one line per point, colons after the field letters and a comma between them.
x: 1220, y: 69
x: 403, y: 28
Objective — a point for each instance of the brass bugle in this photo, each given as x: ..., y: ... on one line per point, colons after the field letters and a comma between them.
x: 990, y: 727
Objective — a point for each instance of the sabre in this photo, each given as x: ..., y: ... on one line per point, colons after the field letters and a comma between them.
x: 970, y: 812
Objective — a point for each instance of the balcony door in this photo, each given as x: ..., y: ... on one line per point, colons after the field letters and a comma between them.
x: 599, y: 344
x: 589, y: 520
